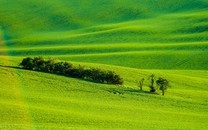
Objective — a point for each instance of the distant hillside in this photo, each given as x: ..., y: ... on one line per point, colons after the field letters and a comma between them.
x: 134, y: 33
x: 21, y: 16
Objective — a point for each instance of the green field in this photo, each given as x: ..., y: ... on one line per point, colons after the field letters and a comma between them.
x: 134, y: 38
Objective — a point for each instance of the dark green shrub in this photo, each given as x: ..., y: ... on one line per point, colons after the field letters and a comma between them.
x: 38, y: 63
x: 95, y: 74
x: 59, y: 67
x: 87, y: 73
x: 117, y: 79
x: 77, y: 72
x: 62, y: 67
x: 49, y: 66
x: 27, y: 63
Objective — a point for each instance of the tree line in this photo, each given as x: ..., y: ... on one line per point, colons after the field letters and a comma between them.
x: 68, y: 69
x: 92, y: 74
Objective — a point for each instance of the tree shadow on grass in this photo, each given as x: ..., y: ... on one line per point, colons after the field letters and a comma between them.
x: 131, y: 90
x: 122, y: 91
x: 14, y: 67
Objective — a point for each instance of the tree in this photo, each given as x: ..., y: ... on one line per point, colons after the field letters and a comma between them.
x: 80, y: 72
x: 152, y: 87
x: 27, y: 63
x: 63, y: 68
x: 163, y: 84
x: 38, y: 63
x: 87, y: 74
x: 141, y: 83
x: 59, y: 67
x: 109, y: 77
x: 50, y: 65
x: 117, y: 79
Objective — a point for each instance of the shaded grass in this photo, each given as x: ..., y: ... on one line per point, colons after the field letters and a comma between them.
x: 107, y: 48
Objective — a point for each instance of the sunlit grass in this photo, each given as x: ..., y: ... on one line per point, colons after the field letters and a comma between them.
x: 133, y: 38
x: 62, y: 100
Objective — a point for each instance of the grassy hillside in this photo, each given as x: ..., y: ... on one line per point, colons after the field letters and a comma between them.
x: 154, y: 56
x: 27, y: 16
x: 133, y: 38
x: 184, y: 42
x: 45, y: 101
x: 177, y: 30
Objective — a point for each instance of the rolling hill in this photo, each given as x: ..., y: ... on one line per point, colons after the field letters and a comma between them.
x: 34, y: 100
x: 133, y: 38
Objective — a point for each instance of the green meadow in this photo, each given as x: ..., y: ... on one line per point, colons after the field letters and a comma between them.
x: 134, y: 38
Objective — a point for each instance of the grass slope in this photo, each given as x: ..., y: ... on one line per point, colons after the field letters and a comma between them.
x: 45, y: 101
x: 32, y: 16
x: 179, y: 35
x: 145, y: 56
x: 134, y: 38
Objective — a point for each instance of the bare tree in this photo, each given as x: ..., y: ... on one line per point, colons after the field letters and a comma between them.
x: 152, y: 82
x: 141, y: 83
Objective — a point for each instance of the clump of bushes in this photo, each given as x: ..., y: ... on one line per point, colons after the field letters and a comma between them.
x: 67, y: 69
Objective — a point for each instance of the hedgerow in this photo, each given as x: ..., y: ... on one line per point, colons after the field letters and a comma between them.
x: 68, y: 69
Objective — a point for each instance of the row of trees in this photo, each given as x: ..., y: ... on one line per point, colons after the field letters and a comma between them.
x: 65, y: 68
x: 161, y: 84
x: 93, y: 74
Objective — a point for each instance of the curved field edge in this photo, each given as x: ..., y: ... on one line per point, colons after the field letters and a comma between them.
x: 47, y: 101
